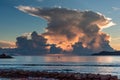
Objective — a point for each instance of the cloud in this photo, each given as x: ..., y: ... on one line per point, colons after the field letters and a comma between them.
x: 34, y: 41
x: 116, y: 8
x: 7, y: 44
x: 28, y: 9
x: 39, y: 0
x: 116, y: 39
x: 54, y: 49
x: 66, y: 28
x: 36, y: 44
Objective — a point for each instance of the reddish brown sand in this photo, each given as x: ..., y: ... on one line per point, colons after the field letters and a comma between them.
x: 37, y: 75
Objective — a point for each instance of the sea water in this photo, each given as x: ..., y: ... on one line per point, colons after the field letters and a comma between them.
x: 65, y: 63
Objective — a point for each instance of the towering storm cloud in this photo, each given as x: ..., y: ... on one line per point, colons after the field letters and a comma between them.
x: 74, y: 30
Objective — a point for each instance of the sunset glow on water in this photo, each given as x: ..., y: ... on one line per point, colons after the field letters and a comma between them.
x: 59, y: 63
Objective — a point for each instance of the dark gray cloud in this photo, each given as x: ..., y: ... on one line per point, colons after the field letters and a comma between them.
x: 54, y: 49
x: 36, y: 42
x: 66, y: 28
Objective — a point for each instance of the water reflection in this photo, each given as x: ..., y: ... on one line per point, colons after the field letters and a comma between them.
x: 72, y: 58
x: 59, y: 62
x: 86, y: 64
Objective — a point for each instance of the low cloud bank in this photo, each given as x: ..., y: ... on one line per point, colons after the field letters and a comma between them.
x: 7, y: 44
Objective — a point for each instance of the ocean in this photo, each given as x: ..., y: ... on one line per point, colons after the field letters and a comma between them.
x: 65, y: 63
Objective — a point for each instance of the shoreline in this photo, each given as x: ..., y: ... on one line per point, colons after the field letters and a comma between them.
x: 44, y: 75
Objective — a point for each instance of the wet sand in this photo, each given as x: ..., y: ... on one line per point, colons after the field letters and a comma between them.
x: 44, y: 75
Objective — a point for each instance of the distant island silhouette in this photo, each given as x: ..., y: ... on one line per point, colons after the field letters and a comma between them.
x: 107, y: 53
x: 5, y: 56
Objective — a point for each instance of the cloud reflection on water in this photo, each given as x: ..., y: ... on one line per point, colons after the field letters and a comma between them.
x: 71, y: 58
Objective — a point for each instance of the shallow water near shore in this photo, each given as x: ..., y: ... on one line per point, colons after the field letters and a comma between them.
x: 65, y: 63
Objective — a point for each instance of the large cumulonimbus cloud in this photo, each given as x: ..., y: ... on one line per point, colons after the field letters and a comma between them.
x: 74, y: 30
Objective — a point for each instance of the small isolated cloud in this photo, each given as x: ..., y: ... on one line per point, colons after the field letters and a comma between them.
x: 74, y: 30
x: 39, y: 0
x: 28, y: 9
x: 7, y: 44
x: 116, y: 8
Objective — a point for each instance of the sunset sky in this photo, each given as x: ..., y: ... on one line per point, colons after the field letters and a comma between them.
x: 14, y: 23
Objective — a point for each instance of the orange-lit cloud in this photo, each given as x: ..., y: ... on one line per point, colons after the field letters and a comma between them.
x: 7, y: 44
x: 115, y: 43
x: 68, y: 28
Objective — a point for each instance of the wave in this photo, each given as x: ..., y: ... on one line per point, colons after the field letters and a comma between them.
x: 89, y: 65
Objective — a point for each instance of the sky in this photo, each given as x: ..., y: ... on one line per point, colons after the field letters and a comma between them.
x: 14, y: 23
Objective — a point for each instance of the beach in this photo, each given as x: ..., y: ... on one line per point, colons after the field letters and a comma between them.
x: 44, y: 75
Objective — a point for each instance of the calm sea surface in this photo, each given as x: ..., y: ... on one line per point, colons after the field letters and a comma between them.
x: 82, y: 64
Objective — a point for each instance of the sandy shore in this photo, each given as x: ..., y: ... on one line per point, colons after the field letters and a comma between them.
x: 43, y: 75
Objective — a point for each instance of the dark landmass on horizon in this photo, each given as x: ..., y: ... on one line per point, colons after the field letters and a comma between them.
x: 4, y: 56
x: 107, y: 53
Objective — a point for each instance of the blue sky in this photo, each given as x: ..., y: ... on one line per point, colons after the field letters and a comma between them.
x: 14, y: 23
